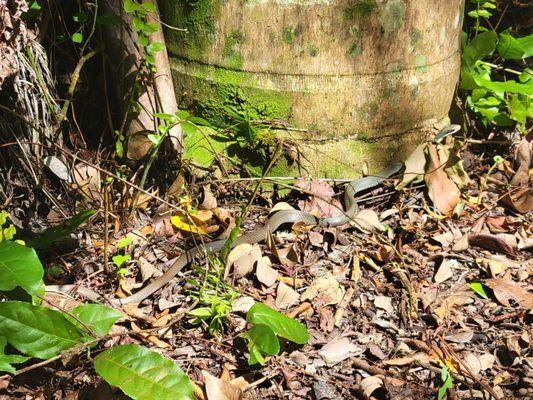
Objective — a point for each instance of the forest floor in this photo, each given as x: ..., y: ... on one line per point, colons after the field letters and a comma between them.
x: 398, y: 304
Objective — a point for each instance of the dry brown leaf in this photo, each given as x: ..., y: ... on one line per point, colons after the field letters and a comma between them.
x: 444, y: 272
x: 324, y: 290
x: 368, y: 220
x: 505, y: 289
x: 265, y: 273
x: 321, y: 204
x: 520, y: 201
x: 217, y: 389
x: 209, y: 202
x: 242, y: 258
x: 286, y: 296
x: 370, y: 384
x: 491, y: 242
x: 87, y: 181
x: 338, y: 350
x: 523, y: 159
x: 441, y: 190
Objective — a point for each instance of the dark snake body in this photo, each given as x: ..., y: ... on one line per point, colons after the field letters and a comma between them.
x: 352, y: 189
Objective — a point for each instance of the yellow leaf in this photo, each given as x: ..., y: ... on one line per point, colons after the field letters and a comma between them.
x: 184, y: 226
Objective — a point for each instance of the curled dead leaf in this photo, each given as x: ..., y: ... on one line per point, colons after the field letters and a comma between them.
x: 442, y: 191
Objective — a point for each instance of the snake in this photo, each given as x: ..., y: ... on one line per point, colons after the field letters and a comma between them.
x: 273, y: 223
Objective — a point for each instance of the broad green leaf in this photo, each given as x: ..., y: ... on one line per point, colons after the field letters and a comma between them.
x: 131, y: 6
x: 77, y: 37
x: 509, y: 86
x: 255, y: 356
x: 143, y: 374
x: 124, y: 242
x: 518, y: 109
x: 200, y: 145
x: 137, y: 23
x: 155, y: 47
x: 261, y: 338
x: 19, y: 266
x: 59, y: 231
x: 509, y: 48
x: 155, y: 139
x: 36, y: 330
x: 149, y: 7
x: 120, y: 259
x: 99, y: 318
x: 481, y: 46
x: 143, y: 40
x: 182, y: 114
x: 478, y: 288
x: 282, y: 325
x: 527, y: 45
x: 199, y: 121
x: 149, y: 28
x: 7, y: 359
x: 447, y: 383
x: 166, y: 117
x: 479, y: 13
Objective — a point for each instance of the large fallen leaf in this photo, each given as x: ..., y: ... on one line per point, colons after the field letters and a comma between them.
x: 505, y: 289
x: 520, y: 201
x: 338, y: 349
x: 242, y: 258
x: 368, y: 220
x: 179, y: 223
x: 142, y: 373
x: 491, y: 242
x: 265, y: 273
x: 323, y: 291
x: 441, y: 190
x: 370, y: 384
x: 286, y: 296
x: 321, y: 204
x: 217, y: 389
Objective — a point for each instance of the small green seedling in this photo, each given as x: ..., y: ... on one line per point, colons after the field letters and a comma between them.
x: 268, y: 324
x: 121, y: 258
x: 9, y: 231
x: 215, y: 297
x: 447, y: 382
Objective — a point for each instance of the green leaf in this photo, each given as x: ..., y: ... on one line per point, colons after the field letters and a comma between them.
x: 155, y: 47
x: 166, y: 117
x: 143, y: 40
x: 143, y: 374
x: 8, y: 233
x: 263, y: 339
x: 59, y: 231
x: 19, y: 266
x: 480, y: 13
x: 447, y: 383
x: 509, y: 48
x: 199, y: 146
x: 36, y: 330
x: 6, y: 360
x: 182, y: 114
x: 98, y: 317
x: 79, y: 17
x: 119, y: 149
x: 149, y: 28
x: 124, y: 242
x: 120, y: 259
x: 199, y: 121
x: 255, y: 356
x: 138, y: 24
x: 131, y: 6
x: 282, y: 325
x: 478, y: 288
x: 150, y: 7
x: 155, y: 139
x: 77, y: 37
x: 518, y: 109
x: 481, y: 46
x: 527, y: 45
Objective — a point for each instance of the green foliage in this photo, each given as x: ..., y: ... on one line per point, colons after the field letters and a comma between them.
x: 479, y: 289
x: 6, y: 233
x: 268, y: 324
x: 7, y: 359
x: 504, y: 102
x: 36, y: 330
x: 60, y: 231
x: 98, y: 317
x: 143, y: 374
x: 19, y: 266
x: 215, y: 297
x: 447, y: 383
x: 261, y: 340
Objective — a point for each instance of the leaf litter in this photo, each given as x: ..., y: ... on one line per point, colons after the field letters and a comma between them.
x: 418, y: 243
